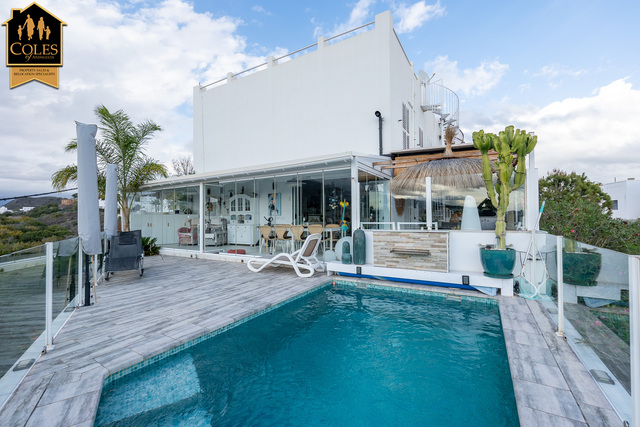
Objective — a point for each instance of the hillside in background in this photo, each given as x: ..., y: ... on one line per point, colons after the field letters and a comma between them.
x: 35, y: 202
x: 51, y: 219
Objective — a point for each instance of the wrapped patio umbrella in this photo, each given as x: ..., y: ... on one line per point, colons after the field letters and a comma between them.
x: 448, y: 172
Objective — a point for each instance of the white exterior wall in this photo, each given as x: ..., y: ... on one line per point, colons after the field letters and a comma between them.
x: 627, y: 193
x: 319, y: 103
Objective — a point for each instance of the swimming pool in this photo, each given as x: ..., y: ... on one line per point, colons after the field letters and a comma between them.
x: 341, y: 355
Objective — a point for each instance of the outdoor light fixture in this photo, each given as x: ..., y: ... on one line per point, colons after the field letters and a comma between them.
x: 465, y: 280
x: 358, y: 270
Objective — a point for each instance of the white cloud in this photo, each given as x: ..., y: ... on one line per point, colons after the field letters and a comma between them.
x: 260, y: 9
x: 470, y: 82
x: 412, y: 17
x: 145, y: 61
x: 358, y: 16
x: 556, y: 73
x: 592, y: 134
x: 409, y: 17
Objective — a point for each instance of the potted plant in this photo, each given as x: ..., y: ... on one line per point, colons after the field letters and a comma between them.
x: 511, y: 147
x: 580, y: 266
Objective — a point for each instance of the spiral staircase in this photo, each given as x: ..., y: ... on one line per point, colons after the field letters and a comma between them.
x: 443, y: 102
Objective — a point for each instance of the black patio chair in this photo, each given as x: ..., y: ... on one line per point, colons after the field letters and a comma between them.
x: 125, y: 253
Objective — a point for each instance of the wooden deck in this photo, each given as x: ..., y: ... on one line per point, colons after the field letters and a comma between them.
x: 179, y: 299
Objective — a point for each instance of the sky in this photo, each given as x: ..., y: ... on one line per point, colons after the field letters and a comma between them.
x: 567, y: 70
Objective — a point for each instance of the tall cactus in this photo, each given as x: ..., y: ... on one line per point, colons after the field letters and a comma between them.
x: 511, y: 148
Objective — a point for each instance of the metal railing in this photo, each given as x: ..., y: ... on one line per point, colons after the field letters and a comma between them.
x: 441, y: 101
x: 233, y: 75
x: 38, y: 294
x: 593, y: 295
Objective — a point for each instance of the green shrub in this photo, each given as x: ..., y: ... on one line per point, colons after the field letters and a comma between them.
x: 578, y: 209
x: 150, y: 247
x: 43, y: 210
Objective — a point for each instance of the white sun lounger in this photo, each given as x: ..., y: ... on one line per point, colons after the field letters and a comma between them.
x: 302, y: 259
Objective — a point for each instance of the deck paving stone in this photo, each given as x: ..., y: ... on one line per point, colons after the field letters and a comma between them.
x: 43, y: 370
x: 583, y: 385
x: 18, y: 409
x: 578, y: 378
x: 513, y: 323
x: 529, y: 354
x: 524, y: 338
x: 68, y: 412
x: 180, y: 299
x: 547, y: 399
x: 119, y: 359
x: 597, y: 416
x: 64, y: 377
x: 537, y: 372
x: 534, y: 418
x: 69, y: 390
x: 150, y: 346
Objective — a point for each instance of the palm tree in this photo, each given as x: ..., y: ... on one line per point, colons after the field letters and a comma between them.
x: 122, y: 144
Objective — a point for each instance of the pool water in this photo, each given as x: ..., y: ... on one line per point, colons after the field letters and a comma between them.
x: 340, y: 356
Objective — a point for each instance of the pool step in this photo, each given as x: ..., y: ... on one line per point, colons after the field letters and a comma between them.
x: 452, y: 297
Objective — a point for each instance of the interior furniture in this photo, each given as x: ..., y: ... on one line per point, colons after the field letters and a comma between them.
x: 265, y: 237
x: 242, y: 228
x: 188, y: 236
x: 332, y: 229
x: 296, y: 232
x: 215, y: 233
x: 315, y: 229
x: 282, y: 234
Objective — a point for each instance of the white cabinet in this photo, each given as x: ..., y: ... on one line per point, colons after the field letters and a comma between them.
x: 243, y: 234
x: 242, y: 229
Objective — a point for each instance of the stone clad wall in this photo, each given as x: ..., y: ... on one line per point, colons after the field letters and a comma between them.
x: 434, y: 241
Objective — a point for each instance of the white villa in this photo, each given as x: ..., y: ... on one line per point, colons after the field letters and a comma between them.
x: 626, y: 198
x: 290, y: 140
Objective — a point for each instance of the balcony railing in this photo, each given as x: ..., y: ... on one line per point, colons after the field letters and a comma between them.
x: 38, y: 289
x: 442, y: 102
x: 593, y: 296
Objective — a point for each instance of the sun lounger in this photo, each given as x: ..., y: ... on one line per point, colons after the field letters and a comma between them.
x: 302, y: 259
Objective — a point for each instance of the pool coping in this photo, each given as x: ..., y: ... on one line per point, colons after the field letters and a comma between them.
x: 64, y: 390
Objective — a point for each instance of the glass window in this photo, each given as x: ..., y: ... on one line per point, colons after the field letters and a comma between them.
x: 281, y: 200
x: 264, y: 189
x: 150, y: 201
x: 375, y: 198
x: 448, y: 203
x: 311, y: 206
x: 187, y: 201
x: 337, y: 191
x: 405, y: 127
x: 186, y: 218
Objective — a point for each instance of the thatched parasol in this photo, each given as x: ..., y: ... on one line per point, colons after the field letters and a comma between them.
x: 447, y: 172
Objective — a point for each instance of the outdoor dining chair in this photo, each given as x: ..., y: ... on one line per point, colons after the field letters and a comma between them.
x: 265, y: 237
x: 283, y: 235
x: 297, y: 231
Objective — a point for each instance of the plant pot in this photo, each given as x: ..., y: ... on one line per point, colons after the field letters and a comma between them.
x: 498, y: 263
x: 581, y: 268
